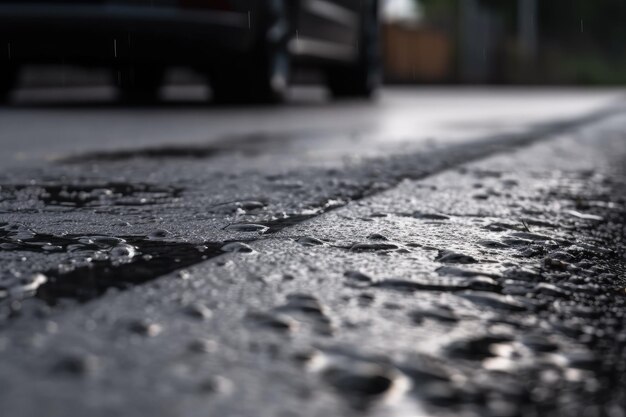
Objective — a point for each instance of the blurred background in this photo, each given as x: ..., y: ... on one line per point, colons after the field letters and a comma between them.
x: 505, y: 42
x: 556, y: 42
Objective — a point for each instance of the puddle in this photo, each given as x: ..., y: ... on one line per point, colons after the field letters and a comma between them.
x: 88, y: 195
x: 96, y: 264
x: 155, y: 259
x: 248, y: 145
x: 93, y: 265
x: 196, y: 152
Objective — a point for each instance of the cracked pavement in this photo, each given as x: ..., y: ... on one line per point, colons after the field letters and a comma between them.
x: 321, y: 274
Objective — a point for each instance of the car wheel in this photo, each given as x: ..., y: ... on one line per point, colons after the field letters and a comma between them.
x: 8, y: 79
x: 362, y: 78
x: 263, y: 75
x: 139, y: 83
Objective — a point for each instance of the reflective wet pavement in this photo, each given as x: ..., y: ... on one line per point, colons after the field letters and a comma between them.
x: 471, y: 279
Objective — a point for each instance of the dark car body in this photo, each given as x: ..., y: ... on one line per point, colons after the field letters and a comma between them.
x: 210, y: 35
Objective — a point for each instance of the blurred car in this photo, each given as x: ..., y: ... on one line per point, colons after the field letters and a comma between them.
x: 247, y: 48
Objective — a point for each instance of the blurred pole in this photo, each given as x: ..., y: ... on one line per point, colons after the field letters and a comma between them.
x: 476, y: 42
x: 527, y: 33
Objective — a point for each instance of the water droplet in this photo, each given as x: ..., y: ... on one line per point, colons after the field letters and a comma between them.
x: 440, y: 313
x: 312, y: 360
x: 237, y: 247
x: 76, y: 364
x: 493, y: 244
x: 101, y: 241
x: 377, y: 236
x: 363, y: 382
x: 551, y: 290
x: 430, y: 216
x: 122, y: 253
x: 251, y: 205
x: 310, y: 241
x: 217, y: 385
x: 358, y: 277
x: 202, y: 346
x: 379, y: 215
x: 476, y: 348
x: 145, y: 328
x: 446, y: 256
x: 366, y: 247
x: 199, y: 311
x: 275, y: 322
x: 410, y: 286
x: 247, y: 228
x: 539, y: 343
x: 513, y: 241
x: 159, y: 234
x: 304, y: 303
x: 497, y: 301
x: 483, y: 283
x: 582, y: 360
x: 183, y: 274
x: 459, y: 272
x: 522, y: 274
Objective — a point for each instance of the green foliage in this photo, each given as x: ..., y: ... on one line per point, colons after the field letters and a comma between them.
x: 584, y: 40
x: 575, y: 23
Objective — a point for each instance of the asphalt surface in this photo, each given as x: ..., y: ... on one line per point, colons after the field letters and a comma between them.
x: 439, y: 252
x: 51, y: 123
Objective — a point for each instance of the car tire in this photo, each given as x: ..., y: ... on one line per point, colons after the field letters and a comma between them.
x: 263, y: 75
x: 139, y: 83
x: 8, y: 79
x: 362, y: 78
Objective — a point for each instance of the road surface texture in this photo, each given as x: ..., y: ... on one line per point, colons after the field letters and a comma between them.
x: 440, y: 252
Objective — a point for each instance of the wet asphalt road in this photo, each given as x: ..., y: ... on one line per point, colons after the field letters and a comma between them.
x: 439, y: 252
x: 51, y: 123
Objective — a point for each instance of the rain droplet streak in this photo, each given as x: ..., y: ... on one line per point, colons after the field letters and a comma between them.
x: 584, y: 216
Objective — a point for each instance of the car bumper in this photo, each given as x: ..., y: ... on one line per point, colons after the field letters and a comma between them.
x: 109, y: 32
